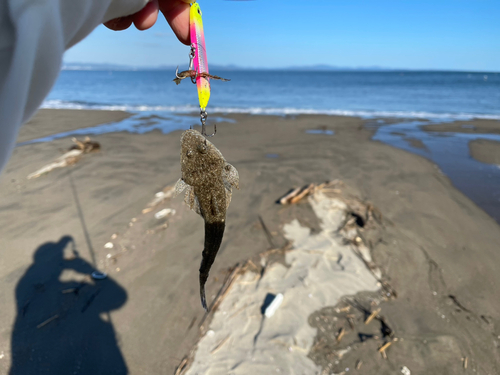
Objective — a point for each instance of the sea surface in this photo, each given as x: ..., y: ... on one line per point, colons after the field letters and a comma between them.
x: 157, y: 103
x: 437, y: 95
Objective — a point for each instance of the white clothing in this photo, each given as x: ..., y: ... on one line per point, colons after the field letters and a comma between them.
x: 33, y: 37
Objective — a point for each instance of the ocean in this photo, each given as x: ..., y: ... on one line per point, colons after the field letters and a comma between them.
x: 410, y: 96
x: 405, y: 94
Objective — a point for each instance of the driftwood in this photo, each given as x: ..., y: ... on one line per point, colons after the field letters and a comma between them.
x: 297, y: 194
x: 72, y: 156
x: 65, y: 160
x: 87, y: 145
x: 182, y: 366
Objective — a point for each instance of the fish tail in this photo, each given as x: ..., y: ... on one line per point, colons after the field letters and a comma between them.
x: 213, y: 239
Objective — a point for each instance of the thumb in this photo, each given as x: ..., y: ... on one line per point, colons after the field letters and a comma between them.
x: 176, y: 13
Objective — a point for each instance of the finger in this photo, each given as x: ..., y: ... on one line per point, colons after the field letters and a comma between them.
x: 176, y: 13
x: 118, y: 24
x: 147, y: 16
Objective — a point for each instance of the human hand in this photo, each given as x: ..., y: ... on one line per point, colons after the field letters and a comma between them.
x: 176, y: 13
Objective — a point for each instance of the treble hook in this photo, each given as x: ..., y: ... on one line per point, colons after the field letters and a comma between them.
x: 177, y: 72
x: 204, y: 115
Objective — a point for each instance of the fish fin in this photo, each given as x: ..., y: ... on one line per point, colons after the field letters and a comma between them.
x: 197, y: 207
x: 191, y: 200
x: 229, y: 194
x: 179, y: 187
x: 230, y: 174
x: 213, y: 238
x: 203, y: 298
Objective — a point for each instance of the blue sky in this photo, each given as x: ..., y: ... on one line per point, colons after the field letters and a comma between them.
x: 413, y: 34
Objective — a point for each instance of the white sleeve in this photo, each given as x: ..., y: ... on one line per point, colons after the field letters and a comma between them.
x: 33, y: 37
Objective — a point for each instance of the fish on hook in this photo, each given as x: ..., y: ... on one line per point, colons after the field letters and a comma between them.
x: 208, y: 180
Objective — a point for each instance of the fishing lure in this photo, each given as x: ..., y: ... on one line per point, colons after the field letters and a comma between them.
x: 209, y: 180
x: 198, y: 64
x: 200, y: 56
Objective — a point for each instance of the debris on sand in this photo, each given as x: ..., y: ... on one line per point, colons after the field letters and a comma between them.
x: 383, y: 348
x: 45, y: 322
x: 310, y: 279
x: 405, y: 370
x: 164, y: 213
x: 182, y: 366
x: 372, y: 316
x: 166, y: 193
x: 297, y: 194
x: 86, y: 146
x: 162, y: 197
x: 274, y: 305
x: 71, y: 157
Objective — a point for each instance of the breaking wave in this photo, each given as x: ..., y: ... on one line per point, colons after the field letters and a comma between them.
x: 59, y: 104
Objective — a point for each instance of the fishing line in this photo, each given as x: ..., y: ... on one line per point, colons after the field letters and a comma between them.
x: 82, y: 219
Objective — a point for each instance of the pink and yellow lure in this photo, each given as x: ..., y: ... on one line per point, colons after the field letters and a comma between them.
x: 200, y: 58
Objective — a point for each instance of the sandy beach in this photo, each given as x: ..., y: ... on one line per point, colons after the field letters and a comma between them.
x: 485, y: 151
x: 468, y: 127
x: 436, y: 249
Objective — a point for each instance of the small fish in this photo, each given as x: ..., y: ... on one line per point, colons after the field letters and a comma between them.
x: 209, y: 180
x: 192, y: 74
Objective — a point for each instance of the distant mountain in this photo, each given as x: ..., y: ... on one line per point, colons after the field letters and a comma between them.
x: 330, y: 68
x: 96, y: 66
x: 230, y: 67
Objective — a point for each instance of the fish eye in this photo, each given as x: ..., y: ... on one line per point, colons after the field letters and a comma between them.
x: 189, y: 154
x: 202, y: 148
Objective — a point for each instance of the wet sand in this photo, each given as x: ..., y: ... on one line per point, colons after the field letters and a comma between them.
x: 485, y: 151
x: 450, y: 152
x: 45, y: 123
x: 468, y: 127
x: 438, y: 249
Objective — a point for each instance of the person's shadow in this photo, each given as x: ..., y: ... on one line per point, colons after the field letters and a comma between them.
x: 63, y: 324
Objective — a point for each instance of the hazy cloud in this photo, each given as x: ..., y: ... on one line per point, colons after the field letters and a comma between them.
x: 162, y: 35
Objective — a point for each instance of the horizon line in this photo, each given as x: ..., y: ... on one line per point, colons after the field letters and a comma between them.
x: 76, y: 66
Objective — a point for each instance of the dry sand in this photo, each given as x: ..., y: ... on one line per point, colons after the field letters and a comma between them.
x: 485, y: 151
x: 317, y: 272
x: 439, y: 250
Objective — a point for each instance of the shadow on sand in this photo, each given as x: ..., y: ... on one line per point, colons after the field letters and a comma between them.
x: 63, y: 325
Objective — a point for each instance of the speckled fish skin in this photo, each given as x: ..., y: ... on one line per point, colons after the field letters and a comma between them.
x: 208, y: 179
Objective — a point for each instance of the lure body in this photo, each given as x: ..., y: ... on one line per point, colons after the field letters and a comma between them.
x: 209, y: 180
x: 200, y: 58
